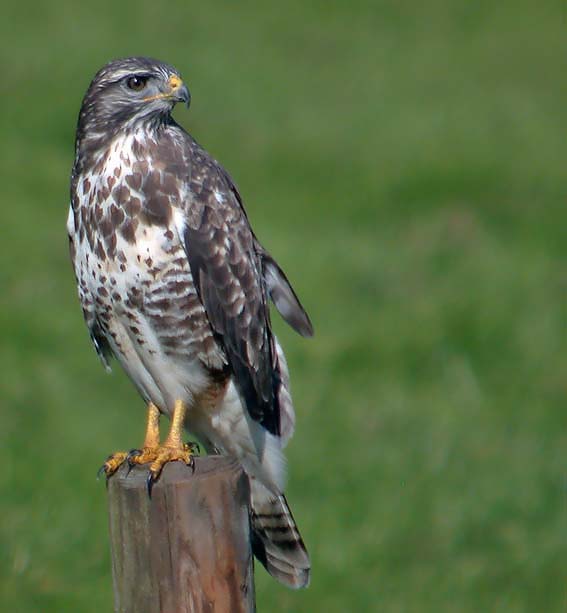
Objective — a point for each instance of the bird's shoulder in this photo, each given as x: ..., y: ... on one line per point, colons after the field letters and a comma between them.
x: 208, y: 196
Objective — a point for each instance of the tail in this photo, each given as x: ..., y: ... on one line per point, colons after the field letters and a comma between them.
x: 276, y: 541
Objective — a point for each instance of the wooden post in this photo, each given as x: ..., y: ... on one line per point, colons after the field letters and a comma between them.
x: 187, y: 549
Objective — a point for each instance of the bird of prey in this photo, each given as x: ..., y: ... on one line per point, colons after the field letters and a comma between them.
x: 175, y: 285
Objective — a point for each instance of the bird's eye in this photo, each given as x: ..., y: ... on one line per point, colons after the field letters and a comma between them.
x: 136, y: 83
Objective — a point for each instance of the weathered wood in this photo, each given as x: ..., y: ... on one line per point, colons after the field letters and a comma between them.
x: 187, y: 549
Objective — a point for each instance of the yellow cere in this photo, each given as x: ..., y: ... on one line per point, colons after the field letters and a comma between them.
x: 175, y: 82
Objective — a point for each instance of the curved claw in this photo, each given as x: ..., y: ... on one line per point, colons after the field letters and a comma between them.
x: 133, y: 453
x: 113, y: 462
x: 101, y: 470
x: 150, y: 484
x: 158, y: 465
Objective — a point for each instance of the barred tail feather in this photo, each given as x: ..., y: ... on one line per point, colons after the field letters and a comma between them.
x: 276, y: 541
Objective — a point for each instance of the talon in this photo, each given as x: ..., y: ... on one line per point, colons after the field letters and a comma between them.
x: 150, y: 484
x: 133, y: 453
x: 173, y: 449
x: 113, y: 462
x: 104, y: 467
x: 147, y: 453
x: 166, y: 454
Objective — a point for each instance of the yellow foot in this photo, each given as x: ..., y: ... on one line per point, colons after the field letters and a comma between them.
x: 148, y: 455
x: 152, y: 453
x: 112, y: 464
x: 145, y: 455
x: 165, y: 454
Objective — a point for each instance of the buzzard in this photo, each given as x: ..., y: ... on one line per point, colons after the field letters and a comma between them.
x: 175, y: 285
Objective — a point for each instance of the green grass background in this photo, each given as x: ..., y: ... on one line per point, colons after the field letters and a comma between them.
x: 405, y: 163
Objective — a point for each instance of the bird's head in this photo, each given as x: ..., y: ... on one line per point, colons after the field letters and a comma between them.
x: 129, y: 92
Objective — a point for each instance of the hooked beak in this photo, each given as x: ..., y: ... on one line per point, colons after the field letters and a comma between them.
x: 178, y: 90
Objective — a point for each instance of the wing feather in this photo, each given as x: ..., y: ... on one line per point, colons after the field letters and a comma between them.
x: 284, y: 298
x: 228, y: 275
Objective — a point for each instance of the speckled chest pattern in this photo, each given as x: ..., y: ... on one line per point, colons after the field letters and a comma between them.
x: 131, y: 266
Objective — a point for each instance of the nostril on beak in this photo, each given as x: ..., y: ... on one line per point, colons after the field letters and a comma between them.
x: 175, y: 82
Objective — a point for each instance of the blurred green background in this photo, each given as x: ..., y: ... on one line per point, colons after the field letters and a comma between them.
x: 405, y: 163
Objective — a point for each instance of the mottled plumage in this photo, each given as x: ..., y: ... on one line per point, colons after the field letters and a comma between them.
x: 175, y: 285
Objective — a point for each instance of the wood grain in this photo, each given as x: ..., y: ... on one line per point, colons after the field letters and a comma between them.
x: 187, y: 549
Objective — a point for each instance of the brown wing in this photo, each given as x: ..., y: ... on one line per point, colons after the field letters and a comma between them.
x: 227, y: 272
